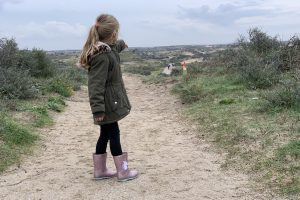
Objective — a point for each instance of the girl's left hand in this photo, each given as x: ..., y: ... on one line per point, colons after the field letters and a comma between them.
x: 99, y: 118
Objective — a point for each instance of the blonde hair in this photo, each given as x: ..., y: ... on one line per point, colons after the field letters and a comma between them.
x: 103, y: 30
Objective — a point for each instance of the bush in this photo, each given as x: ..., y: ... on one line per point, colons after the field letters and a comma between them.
x: 56, y: 103
x: 36, y: 63
x: 285, y: 95
x: 191, y: 91
x: 176, y: 71
x: 255, y: 59
x: 8, y: 53
x: 17, y: 69
x: 13, y: 133
x: 286, y: 162
x: 41, y: 116
x: 289, y: 57
x: 142, y: 70
x: 60, y: 85
x: 227, y: 58
x: 195, y: 69
x: 25, y: 61
x: 16, y: 84
x: 67, y: 81
x: 259, y: 42
x: 289, y: 151
x: 42, y: 66
x: 76, y: 77
x: 255, y: 73
x: 13, y: 138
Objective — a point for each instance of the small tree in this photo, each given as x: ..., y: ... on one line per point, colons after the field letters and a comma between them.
x: 42, y: 65
x: 261, y: 43
x: 8, y: 52
x: 290, y: 55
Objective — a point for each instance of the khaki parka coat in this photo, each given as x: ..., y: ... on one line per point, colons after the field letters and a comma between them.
x: 106, y: 88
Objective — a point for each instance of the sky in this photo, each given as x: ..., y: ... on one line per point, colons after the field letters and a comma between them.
x: 64, y: 24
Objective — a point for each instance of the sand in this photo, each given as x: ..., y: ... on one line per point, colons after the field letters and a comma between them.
x: 173, y: 162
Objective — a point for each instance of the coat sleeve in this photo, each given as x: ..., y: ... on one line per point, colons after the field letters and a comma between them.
x: 120, y: 45
x: 97, y: 77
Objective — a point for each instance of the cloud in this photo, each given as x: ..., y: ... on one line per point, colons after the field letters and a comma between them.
x: 224, y: 14
x: 2, y: 2
x: 64, y: 24
x: 283, y: 20
x: 50, y: 35
x: 50, y: 30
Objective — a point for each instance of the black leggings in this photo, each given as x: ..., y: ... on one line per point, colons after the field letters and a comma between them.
x: 109, y: 132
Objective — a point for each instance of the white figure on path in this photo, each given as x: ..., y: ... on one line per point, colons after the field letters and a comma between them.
x: 168, y: 69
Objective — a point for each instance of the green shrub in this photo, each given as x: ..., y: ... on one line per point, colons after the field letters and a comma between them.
x: 56, y: 103
x: 227, y: 101
x: 16, y: 84
x: 227, y: 58
x: 36, y: 63
x: 12, y: 133
x: 8, y: 53
x: 76, y: 76
x: 176, y: 71
x: 41, y: 116
x: 8, y: 156
x: 259, y: 42
x: 41, y: 65
x: 191, y: 91
x: 255, y: 59
x: 25, y: 60
x: 255, y: 73
x: 290, y: 151
x: 194, y: 69
x: 286, y: 163
x: 13, y: 139
x: 60, y: 85
x: 208, y: 67
x: 289, y: 57
x: 285, y: 95
x: 142, y: 70
x: 8, y: 104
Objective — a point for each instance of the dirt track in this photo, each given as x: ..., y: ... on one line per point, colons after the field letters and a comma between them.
x: 173, y: 163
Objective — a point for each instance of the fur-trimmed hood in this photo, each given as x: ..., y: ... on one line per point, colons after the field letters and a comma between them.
x: 102, y: 47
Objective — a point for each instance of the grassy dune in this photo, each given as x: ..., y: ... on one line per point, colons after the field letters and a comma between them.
x: 245, y: 99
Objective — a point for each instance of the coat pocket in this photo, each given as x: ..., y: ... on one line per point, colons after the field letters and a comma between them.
x: 116, y: 99
x: 111, y: 100
x: 122, y: 97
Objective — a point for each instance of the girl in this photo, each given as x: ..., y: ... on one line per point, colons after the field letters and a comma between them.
x: 108, y: 99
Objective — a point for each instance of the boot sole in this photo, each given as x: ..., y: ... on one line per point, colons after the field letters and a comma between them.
x: 102, y: 178
x: 127, y: 179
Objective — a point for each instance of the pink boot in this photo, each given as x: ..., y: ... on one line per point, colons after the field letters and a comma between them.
x: 123, y: 173
x: 100, y: 169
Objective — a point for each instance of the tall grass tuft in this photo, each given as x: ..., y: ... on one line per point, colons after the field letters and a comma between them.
x: 56, y: 103
x: 14, y: 138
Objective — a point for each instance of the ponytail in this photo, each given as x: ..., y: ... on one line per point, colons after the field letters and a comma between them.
x: 100, y: 32
x: 89, y: 47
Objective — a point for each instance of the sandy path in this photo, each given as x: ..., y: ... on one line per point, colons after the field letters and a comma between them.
x: 159, y: 145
